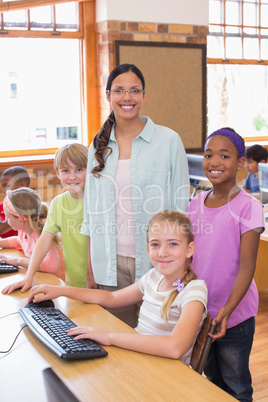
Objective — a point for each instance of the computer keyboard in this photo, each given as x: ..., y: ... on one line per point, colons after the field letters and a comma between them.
x: 7, y: 268
x: 49, y: 324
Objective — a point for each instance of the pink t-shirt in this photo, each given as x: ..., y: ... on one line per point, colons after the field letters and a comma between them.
x: 217, y: 249
x: 11, y: 232
x: 51, y: 262
x: 125, y: 237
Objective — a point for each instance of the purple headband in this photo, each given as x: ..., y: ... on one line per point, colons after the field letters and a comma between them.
x: 236, y: 139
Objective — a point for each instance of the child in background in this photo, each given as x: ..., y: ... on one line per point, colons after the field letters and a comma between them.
x: 11, y: 178
x: 26, y: 213
x: 174, y: 301
x: 228, y: 223
x: 65, y: 216
x: 254, y: 154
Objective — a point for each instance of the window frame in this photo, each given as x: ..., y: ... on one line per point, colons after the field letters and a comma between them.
x: 241, y: 26
x: 242, y: 61
x: 88, y: 65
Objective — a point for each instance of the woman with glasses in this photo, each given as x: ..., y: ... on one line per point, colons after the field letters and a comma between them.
x: 135, y: 170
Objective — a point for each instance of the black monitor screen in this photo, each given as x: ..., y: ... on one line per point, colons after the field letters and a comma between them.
x: 56, y: 390
x: 263, y: 182
x: 195, y: 163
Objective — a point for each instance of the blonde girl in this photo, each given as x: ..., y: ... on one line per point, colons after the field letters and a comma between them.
x: 26, y: 213
x: 173, y: 300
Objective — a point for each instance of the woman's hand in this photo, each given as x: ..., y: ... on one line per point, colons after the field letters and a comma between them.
x: 48, y: 292
x: 95, y: 334
x: 24, y: 285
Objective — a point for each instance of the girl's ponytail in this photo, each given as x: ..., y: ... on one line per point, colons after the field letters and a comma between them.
x: 188, y: 277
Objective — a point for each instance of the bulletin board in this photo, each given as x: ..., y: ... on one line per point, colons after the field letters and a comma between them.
x: 175, y: 79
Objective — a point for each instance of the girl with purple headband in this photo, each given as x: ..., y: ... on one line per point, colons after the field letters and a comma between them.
x: 227, y: 225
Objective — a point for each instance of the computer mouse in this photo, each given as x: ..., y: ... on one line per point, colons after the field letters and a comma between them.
x: 45, y: 303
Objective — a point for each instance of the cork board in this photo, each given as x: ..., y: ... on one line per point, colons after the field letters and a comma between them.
x: 175, y: 78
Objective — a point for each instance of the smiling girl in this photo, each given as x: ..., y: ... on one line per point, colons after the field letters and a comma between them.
x: 173, y: 300
x: 225, y: 257
x: 26, y: 213
x: 135, y: 169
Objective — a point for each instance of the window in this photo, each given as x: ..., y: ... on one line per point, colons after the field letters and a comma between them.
x: 40, y: 92
x: 238, y: 29
x: 238, y: 66
x: 61, y: 17
x: 45, y: 89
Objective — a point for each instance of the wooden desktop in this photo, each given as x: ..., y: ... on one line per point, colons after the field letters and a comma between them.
x: 261, y: 272
x: 121, y: 376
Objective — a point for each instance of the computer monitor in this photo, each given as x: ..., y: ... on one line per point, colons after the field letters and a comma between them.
x: 195, y: 165
x: 196, y: 173
x: 263, y: 182
x: 56, y: 390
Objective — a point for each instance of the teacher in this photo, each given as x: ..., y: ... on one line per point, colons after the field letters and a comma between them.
x: 135, y: 170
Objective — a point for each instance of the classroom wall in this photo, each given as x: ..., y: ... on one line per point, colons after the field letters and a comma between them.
x: 172, y: 21
x: 176, y: 21
x: 43, y: 179
x: 192, y: 12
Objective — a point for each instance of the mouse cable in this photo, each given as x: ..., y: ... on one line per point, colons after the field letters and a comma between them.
x: 6, y: 351
x: 3, y: 316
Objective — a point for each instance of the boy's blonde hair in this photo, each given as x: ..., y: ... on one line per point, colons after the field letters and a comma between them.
x: 28, y: 204
x: 76, y: 153
x: 175, y: 220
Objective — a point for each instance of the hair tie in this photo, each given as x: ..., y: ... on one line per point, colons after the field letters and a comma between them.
x: 234, y: 137
x: 178, y: 284
x: 8, y: 205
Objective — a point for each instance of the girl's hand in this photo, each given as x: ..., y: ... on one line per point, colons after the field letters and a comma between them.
x: 9, y: 260
x: 24, y: 285
x: 221, y: 322
x: 49, y: 292
x: 95, y: 334
x: 91, y: 284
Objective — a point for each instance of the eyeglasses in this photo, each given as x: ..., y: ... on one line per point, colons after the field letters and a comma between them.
x: 121, y: 92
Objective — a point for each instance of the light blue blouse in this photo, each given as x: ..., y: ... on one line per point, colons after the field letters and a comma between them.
x: 159, y: 181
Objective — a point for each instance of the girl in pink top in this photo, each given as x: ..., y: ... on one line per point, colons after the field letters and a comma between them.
x: 227, y: 226
x: 26, y: 213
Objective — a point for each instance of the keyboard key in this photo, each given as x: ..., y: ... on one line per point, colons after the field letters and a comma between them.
x: 7, y: 268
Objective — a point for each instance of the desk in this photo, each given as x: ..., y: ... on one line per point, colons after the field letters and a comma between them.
x: 261, y: 272
x: 121, y: 376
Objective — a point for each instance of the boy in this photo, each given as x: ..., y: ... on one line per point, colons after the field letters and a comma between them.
x: 65, y: 215
x: 11, y: 179
x: 254, y: 154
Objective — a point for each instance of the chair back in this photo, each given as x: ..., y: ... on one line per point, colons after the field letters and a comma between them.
x: 202, y: 345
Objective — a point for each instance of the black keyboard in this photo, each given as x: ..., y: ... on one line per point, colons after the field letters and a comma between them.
x: 49, y: 325
x: 7, y: 268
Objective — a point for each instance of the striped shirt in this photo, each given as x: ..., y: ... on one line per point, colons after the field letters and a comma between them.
x: 151, y: 321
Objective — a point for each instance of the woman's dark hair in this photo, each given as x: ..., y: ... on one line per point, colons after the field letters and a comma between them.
x: 102, y: 137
